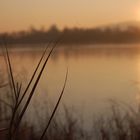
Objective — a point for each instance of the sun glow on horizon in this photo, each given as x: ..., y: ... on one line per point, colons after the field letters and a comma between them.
x: 20, y: 15
x: 138, y: 14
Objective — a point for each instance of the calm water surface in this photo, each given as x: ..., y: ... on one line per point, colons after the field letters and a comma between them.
x: 97, y: 73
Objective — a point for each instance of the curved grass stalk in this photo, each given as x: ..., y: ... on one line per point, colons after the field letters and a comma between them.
x: 19, y: 91
x: 33, y: 89
x: 55, y: 108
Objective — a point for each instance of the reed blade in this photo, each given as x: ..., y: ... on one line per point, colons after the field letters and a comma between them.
x: 34, y: 87
x: 10, y: 71
x: 55, y: 108
x: 33, y: 75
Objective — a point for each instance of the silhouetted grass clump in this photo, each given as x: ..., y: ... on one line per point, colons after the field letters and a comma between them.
x: 122, y: 123
x: 20, y: 98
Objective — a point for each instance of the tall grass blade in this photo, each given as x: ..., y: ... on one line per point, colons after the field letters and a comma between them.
x: 13, y: 86
x: 24, y: 93
x: 33, y: 89
x: 10, y: 71
x: 55, y: 108
x: 19, y: 90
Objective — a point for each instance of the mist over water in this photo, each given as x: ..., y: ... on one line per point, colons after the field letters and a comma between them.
x: 97, y: 73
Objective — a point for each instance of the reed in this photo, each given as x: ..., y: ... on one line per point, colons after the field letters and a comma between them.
x: 20, y: 95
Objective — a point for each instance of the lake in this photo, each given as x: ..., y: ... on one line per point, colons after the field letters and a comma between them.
x: 96, y: 75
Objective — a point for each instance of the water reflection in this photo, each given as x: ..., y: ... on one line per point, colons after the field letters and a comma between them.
x: 96, y: 73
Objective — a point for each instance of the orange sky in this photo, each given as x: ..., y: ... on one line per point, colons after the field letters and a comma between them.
x: 21, y: 14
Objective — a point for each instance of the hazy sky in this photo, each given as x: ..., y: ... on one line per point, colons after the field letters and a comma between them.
x: 21, y: 14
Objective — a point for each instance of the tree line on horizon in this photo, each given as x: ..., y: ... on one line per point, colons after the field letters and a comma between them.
x: 130, y: 34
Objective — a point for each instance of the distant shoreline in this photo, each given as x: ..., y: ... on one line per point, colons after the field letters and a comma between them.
x: 108, y: 35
